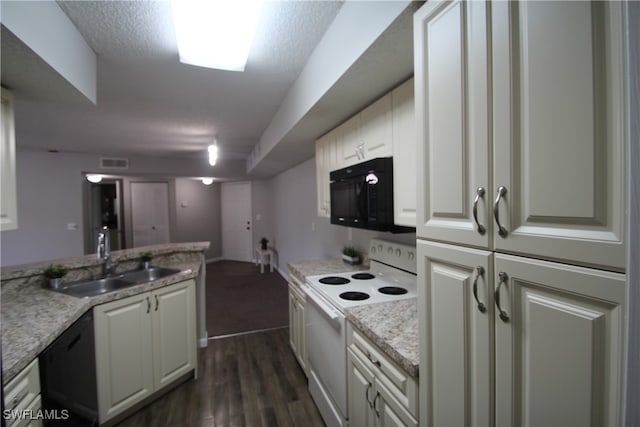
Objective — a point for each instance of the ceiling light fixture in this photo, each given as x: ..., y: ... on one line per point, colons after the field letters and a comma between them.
x: 213, y: 154
x: 94, y: 177
x: 215, y: 34
x: 207, y: 181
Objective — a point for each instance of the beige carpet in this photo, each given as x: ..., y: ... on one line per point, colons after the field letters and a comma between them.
x: 240, y: 299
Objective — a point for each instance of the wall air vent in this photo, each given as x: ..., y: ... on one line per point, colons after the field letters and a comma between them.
x: 113, y: 163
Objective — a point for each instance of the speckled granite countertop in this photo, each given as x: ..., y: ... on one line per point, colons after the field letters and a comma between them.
x: 332, y: 265
x: 33, y: 315
x: 392, y: 326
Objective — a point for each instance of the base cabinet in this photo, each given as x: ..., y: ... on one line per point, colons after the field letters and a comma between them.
x: 508, y: 340
x: 379, y: 393
x: 22, y: 401
x: 297, y: 336
x: 143, y: 343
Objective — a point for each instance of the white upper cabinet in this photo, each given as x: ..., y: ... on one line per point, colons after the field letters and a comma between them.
x: 559, y: 130
x: 404, y: 154
x: 326, y: 161
x: 376, y: 129
x: 8, y: 204
x: 452, y: 111
x: 541, y: 165
x: 349, y: 142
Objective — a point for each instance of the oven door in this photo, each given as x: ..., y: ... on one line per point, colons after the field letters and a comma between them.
x: 326, y: 341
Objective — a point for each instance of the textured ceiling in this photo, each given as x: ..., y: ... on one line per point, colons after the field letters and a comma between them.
x: 150, y: 104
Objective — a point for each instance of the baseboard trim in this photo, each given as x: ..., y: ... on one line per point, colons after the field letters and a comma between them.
x: 247, y: 333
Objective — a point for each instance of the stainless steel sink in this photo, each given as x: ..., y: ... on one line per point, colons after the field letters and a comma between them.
x: 90, y: 288
x: 149, y: 275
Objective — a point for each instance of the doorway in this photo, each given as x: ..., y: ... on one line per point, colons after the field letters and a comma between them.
x: 105, y: 210
x: 237, y: 237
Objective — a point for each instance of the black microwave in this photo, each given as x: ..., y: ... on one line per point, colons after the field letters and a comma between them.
x: 362, y: 196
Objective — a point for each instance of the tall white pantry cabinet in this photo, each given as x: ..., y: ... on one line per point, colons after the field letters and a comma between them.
x: 521, y: 126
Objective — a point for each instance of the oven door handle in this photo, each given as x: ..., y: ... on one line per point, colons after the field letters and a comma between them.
x: 326, y: 310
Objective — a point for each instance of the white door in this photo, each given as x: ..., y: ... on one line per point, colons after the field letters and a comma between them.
x: 237, y: 237
x: 150, y: 213
x: 558, y: 344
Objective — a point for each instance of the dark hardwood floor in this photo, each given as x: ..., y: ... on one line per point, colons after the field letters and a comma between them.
x: 244, y: 380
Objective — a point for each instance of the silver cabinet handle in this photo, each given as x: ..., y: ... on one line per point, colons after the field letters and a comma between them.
x: 479, y: 272
x: 148, y: 305
x: 496, y: 211
x: 366, y: 395
x: 479, y: 195
x: 375, y: 407
x: 502, y: 277
x: 157, y: 303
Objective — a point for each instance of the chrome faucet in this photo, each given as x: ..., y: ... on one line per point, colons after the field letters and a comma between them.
x: 103, y: 251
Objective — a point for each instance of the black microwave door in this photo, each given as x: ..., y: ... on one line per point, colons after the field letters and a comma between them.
x: 346, y: 205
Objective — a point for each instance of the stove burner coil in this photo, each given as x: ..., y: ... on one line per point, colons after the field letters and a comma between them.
x: 363, y: 276
x: 392, y: 290
x: 354, y: 296
x: 334, y: 280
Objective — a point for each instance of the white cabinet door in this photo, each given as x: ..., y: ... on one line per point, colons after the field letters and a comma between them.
x: 452, y: 113
x: 8, y: 204
x: 389, y: 412
x: 174, y: 332
x: 456, y: 335
x: 124, y: 358
x: 559, y: 130
x: 349, y: 142
x: 326, y: 161
x: 559, y: 352
x: 361, y: 392
x: 404, y: 155
x: 297, y: 336
x: 376, y: 131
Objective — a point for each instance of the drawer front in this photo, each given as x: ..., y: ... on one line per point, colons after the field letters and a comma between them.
x: 21, y: 392
x: 400, y: 384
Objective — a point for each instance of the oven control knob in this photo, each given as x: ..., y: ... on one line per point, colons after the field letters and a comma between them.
x: 411, y: 256
x: 380, y: 248
x: 398, y: 252
x: 373, y: 249
x: 390, y: 250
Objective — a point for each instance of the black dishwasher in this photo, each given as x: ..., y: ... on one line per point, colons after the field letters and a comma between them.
x: 68, y: 374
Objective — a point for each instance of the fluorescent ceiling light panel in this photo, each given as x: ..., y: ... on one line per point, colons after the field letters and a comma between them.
x: 215, y: 33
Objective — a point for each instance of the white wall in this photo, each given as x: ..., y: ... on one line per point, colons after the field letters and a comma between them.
x: 50, y: 196
x: 299, y: 233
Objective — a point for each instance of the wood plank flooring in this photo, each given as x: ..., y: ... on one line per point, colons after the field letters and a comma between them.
x: 245, y: 380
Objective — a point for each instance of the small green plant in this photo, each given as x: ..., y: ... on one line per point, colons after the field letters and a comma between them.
x: 55, y: 271
x: 351, y: 251
x: 146, y: 256
x: 263, y: 242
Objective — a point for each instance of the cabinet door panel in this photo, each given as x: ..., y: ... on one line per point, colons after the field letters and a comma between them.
x: 360, y: 391
x: 453, y: 123
x: 376, y: 129
x: 348, y: 141
x: 456, y: 353
x: 174, y: 342
x: 404, y: 155
x: 559, y: 129
x: 558, y: 356
x: 391, y: 413
x: 124, y: 359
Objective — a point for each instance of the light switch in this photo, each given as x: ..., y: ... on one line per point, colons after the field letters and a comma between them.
x: 72, y: 226
x: 184, y: 204
x: 258, y: 217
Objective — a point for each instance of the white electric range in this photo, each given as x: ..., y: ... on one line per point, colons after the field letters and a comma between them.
x: 391, y: 277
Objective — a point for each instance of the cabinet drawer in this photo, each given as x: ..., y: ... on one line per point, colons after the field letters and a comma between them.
x: 401, y: 385
x: 21, y: 391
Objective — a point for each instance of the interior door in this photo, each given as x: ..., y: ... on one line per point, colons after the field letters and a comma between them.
x: 150, y: 213
x: 237, y: 237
